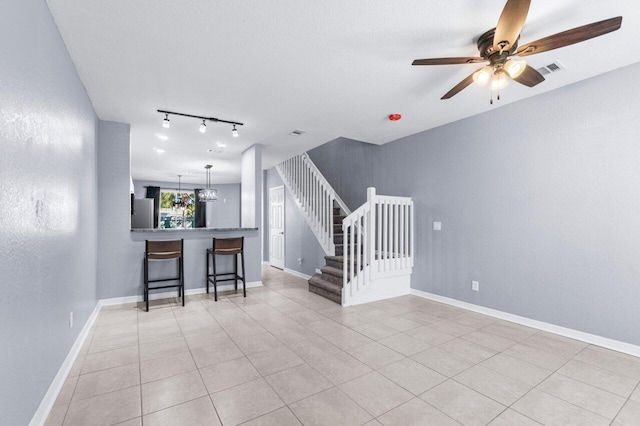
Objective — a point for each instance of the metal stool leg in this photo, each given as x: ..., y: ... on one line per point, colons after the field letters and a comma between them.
x: 215, y: 279
x: 206, y: 272
x: 235, y: 270
x: 244, y: 280
x: 182, y: 278
x: 146, y: 282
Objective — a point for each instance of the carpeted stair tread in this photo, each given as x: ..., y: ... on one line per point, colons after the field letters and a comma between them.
x: 330, y: 270
x: 316, y: 280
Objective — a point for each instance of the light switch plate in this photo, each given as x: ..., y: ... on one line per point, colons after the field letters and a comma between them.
x: 437, y: 226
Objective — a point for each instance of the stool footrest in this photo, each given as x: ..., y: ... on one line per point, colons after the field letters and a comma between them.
x: 164, y: 286
x: 164, y: 279
x: 212, y: 279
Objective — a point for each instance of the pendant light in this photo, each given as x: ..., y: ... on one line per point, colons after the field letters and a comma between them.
x: 208, y: 194
x: 178, y: 200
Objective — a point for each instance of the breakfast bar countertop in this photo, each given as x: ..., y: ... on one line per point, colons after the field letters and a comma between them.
x: 175, y: 230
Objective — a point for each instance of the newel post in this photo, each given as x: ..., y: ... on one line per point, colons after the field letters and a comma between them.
x: 370, y: 249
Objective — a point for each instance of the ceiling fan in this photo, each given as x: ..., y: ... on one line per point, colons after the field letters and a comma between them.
x: 499, y: 45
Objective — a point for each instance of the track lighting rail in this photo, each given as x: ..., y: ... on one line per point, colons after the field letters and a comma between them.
x: 216, y: 120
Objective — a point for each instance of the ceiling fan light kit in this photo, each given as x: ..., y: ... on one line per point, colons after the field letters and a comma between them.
x: 498, y: 46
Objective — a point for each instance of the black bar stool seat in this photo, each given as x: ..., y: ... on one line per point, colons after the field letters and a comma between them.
x: 226, y: 247
x: 164, y: 250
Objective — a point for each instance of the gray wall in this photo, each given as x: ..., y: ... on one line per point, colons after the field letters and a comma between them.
x: 121, y: 251
x: 115, y: 252
x: 300, y: 242
x: 543, y: 213
x: 48, y: 199
x: 224, y: 213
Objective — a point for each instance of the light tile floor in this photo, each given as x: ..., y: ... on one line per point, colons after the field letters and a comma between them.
x: 284, y: 356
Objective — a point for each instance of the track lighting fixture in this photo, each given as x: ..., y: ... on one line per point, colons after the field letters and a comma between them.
x: 203, y: 125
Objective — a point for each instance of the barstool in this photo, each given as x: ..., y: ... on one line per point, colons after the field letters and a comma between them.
x: 163, y: 250
x: 226, y: 247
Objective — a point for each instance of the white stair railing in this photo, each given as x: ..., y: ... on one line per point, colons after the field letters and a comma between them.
x: 378, y: 243
x: 314, y: 196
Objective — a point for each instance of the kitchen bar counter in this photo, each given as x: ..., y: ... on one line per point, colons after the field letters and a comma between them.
x: 190, y: 230
x: 196, y: 243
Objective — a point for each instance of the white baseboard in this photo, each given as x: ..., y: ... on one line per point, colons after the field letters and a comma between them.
x: 297, y: 274
x: 41, y: 414
x: 593, y: 339
x: 168, y: 294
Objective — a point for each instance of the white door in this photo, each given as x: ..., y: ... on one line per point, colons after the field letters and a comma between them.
x: 276, y: 227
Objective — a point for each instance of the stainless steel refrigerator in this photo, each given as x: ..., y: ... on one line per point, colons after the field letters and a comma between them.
x: 143, y: 213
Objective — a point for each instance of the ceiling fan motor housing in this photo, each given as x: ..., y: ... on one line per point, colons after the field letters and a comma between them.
x: 485, y: 47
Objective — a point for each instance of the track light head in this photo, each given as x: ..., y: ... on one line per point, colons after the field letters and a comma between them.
x: 165, y: 123
x: 203, y: 127
x: 234, y: 132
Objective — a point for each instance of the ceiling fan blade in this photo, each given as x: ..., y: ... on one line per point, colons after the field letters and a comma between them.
x: 458, y: 87
x: 569, y: 37
x: 510, y: 24
x: 448, y: 61
x: 530, y: 77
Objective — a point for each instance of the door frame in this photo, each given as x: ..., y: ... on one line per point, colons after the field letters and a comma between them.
x: 284, y: 221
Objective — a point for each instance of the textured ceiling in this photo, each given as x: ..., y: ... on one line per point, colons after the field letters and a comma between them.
x: 331, y: 68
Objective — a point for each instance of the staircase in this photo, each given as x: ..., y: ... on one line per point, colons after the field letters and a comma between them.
x: 328, y: 283
x: 369, y: 252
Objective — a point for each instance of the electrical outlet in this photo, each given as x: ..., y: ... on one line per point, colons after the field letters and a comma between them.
x: 475, y: 286
x: 299, y: 261
x: 71, y: 319
x: 437, y: 226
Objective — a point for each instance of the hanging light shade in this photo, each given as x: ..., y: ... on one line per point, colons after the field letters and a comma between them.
x: 208, y: 194
x: 515, y: 68
x: 483, y: 75
x: 499, y: 81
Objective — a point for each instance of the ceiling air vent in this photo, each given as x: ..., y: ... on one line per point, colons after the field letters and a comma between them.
x: 552, y: 67
x: 297, y: 133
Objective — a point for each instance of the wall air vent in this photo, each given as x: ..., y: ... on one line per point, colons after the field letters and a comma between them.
x: 552, y: 67
x: 297, y: 133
